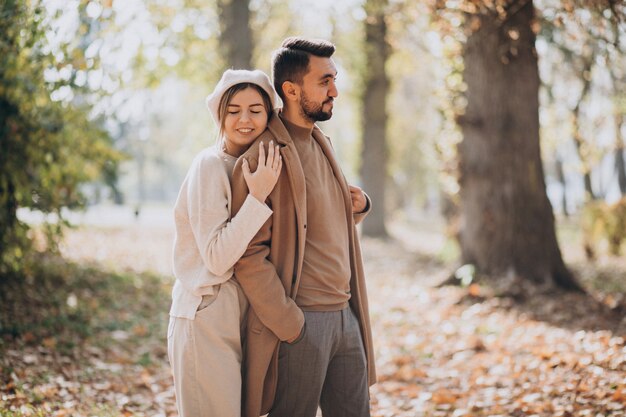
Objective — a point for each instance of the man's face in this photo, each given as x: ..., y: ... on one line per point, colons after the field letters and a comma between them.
x: 318, y: 89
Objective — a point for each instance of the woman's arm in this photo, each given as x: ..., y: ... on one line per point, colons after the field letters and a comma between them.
x: 220, y: 240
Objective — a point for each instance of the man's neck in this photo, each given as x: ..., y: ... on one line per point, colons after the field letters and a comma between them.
x: 293, y: 115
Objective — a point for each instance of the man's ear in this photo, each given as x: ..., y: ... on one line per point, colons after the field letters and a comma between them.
x: 291, y: 90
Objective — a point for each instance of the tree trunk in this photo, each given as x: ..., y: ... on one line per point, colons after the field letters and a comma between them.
x: 236, y: 36
x: 374, y: 155
x: 508, y: 228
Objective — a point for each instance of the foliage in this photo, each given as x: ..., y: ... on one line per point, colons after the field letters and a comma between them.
x: 74, y: 302
x: 602, y: 221
x: 90, y: 322
x: 47, y: 148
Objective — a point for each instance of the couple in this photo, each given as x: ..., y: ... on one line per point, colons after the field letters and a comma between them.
x: 266, y: 252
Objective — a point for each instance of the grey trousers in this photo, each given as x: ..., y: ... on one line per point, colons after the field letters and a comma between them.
x: 326, y: 366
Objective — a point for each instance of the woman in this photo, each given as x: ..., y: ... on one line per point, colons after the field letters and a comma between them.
x: 208, y: 306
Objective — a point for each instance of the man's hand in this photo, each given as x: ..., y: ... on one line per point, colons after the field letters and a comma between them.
x: 359, y: 202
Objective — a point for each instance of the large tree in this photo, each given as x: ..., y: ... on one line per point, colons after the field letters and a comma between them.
x: 374, y: 116
x: 507, y: 221
x: 236, y: 35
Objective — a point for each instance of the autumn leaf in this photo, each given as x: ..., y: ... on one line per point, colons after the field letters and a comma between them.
x: 444, y: 396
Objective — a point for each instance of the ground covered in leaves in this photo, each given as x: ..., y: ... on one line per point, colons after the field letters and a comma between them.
x: 90, y: 339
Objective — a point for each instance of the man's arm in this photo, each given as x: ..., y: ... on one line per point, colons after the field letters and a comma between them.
x: 257, y: 275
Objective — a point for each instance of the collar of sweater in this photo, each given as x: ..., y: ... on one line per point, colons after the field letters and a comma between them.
x: 297, y: 132
x: 276, y: 125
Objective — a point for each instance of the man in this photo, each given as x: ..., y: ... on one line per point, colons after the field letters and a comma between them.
x: 308, y: 341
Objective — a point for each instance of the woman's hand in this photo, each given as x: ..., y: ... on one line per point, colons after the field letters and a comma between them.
x: 262, y: 181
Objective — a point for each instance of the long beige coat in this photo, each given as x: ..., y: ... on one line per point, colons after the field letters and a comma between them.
x: 269, y: 271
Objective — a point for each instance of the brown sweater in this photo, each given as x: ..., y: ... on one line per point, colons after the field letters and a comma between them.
x: 325, y: 281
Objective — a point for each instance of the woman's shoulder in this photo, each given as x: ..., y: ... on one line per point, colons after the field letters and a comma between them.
x: 209, y: 157
x: 209, y: 161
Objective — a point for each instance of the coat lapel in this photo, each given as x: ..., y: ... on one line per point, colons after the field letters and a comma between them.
x: 293, y: 167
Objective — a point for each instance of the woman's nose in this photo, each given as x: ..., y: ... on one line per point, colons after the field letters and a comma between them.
x: 245, y: 116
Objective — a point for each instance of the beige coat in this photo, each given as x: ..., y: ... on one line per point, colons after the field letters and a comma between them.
x: 269, y: 271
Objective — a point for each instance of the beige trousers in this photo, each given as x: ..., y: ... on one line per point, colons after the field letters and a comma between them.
x: 205, y: 355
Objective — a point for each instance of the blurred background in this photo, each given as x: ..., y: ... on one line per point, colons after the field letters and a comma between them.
x: 489, y: 134
x: 135, y: 74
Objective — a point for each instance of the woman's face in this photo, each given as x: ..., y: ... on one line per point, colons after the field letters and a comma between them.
x: 245, y: 120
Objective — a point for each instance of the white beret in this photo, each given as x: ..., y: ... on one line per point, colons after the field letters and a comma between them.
x: 232, y: 77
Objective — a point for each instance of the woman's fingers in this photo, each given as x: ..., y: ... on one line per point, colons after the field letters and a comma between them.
x: 261, y: 155
x: 270, y: 154
x: 277, y: 157
x: 279, y: 165
x: 246, y: 170
x: 273, y: 160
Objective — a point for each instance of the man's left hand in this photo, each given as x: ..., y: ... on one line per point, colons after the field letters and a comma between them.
x: 359, y: 202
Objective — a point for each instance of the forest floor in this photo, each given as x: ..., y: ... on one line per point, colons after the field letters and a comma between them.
x: 95, y: 346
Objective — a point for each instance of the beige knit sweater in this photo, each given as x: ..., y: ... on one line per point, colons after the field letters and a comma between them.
x: 208, y: 242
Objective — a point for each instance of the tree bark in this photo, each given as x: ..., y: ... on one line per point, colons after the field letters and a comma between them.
x: 236, y: 35
x: 374, y: 155
x: 508, y: 228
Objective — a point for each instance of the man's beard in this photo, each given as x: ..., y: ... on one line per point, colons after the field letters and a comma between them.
x: 313, y: 111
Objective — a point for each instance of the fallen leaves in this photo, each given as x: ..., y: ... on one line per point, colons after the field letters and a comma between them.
x: 440, y: 352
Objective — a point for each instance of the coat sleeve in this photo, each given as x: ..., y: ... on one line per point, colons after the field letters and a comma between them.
x: 358, y: 217
x: 258, y: 276
x: 220, y: 238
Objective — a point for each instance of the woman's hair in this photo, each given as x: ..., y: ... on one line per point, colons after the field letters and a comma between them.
x: 230, y: 93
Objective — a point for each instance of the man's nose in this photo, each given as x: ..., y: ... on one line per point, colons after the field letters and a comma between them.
x: 332, y: 91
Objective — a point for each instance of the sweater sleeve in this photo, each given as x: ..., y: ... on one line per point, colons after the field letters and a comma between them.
x: 220, y: 239
x: 258, y: 276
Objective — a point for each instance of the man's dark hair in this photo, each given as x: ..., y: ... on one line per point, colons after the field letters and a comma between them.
x: 291, y: 61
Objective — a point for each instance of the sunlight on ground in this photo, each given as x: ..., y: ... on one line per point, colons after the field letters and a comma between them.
x: 439, y: 351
